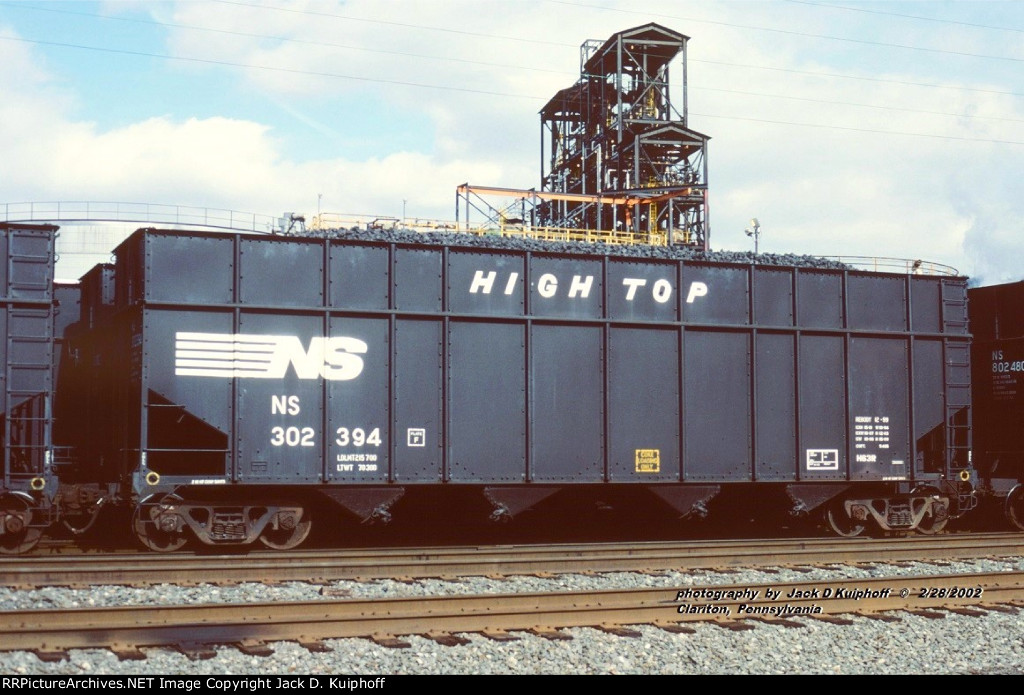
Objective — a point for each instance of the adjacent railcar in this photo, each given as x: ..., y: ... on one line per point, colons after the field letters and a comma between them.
x: 997, y: 323
x: 245, y: 375
x: 26, y: 383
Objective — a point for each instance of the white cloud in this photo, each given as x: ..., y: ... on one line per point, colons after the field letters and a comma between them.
x: 814, y: 190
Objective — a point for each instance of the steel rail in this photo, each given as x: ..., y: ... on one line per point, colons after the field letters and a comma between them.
x: 307, y: 622
x: 383, y: 563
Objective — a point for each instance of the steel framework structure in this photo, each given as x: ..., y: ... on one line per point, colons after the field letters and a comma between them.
x: 615, y: 146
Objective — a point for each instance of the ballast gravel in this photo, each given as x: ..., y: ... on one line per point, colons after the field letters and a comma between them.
x: 990, y: 644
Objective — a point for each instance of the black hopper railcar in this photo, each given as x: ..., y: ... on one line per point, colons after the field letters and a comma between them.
x: 997, y: 326
x: 221, y: 384
x: 29, y: 485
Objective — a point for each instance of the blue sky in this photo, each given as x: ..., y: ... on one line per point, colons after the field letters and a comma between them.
x: 846, y: 127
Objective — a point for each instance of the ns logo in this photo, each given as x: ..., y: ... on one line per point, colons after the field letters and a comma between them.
x: 228, y: 355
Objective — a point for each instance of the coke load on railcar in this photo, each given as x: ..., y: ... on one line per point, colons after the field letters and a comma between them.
x: 252, y: 373
x: 26, y: 383
x: 997, y: 324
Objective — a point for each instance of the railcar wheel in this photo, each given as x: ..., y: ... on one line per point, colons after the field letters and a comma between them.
x: 15, y: 517
x: 285, y: 532
x: 158, y: 525
x: 1015, y: 506
x: 930, y: 525
x: 840, y: 522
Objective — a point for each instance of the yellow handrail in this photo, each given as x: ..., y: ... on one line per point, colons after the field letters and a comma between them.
x: 329, y: 220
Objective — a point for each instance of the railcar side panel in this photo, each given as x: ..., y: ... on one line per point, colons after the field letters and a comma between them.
x: 418, y: 401
x: 359, y: 278
x: 776, y: 423
x: 189, y: 420
x: 643, y: 405
x: 381, y: 363
x: 27, y: 352
x: 822, y: 408
x: 719, y: 417
x: 879, y: 409
x: 67, y: 376
x: 925, y: 305
x: 179, y: 269
x: 999, y: 398
x: 642, y: 291
x: 566, y: 287
x: 929, y: 412
x: 876, y: 302
x: 486, y: 402
x: 728, y: 304
x: 997, y: 322
x: 417, y: 277
x: 358, y: 433
x: 819, y: 299
x: 996, y: 312
x: 566, y: 403
x: 485, y: 283
x: 281, y: 272
x: 773, y: 297
x: 280, y: 428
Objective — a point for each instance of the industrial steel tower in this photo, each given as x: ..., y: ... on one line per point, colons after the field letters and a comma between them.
x: 615, y: 153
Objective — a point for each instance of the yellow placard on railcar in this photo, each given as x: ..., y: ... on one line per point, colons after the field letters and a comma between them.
x: 648, y: 460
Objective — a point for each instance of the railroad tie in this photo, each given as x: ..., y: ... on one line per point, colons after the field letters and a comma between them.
x: 618, y: 630
x: 931, y: 615
x: 253, y: 647
x: 127, y: 652
x: 549, y: 633
x: 675, y: 628
x: 51, y: 655
x: 196, y: 651
x: 389, y: 641
x: 830, y: 619
x: 1002, y: 608
x: 499, y: 636
x: 446, y: 639
x: 734, y: 625
x: 972, y: 612
x: 882, y: 617
x: 776, y: 621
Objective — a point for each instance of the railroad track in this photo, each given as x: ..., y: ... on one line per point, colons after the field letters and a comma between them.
x: 492, y: 561
x: 193, y: 629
